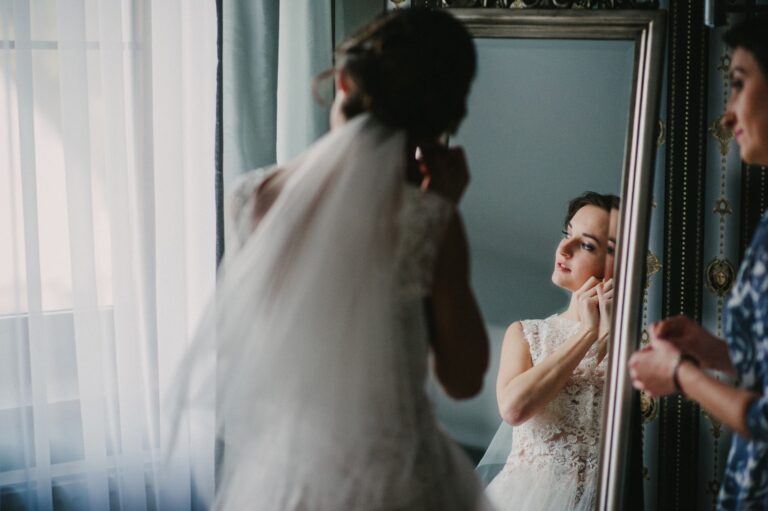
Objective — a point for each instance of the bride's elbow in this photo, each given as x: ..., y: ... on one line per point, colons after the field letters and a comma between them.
x: 514, y: 417
x: 514, y: 413
x: 462, y: 392
x: 460, y: 374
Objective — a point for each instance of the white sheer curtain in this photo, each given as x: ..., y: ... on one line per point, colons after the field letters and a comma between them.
x: 107, y: 251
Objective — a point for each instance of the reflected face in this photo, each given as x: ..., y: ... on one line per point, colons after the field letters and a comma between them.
x: 747, y: 111
x: 587, y: 248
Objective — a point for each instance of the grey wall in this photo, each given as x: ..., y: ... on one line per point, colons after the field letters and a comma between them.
x: 547, y: 120
x: 353, y: 14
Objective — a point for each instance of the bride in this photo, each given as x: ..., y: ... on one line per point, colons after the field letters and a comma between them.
x: 551, y: 373
x: 346, y: 269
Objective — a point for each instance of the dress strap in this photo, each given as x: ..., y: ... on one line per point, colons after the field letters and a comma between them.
x: 531, y: 334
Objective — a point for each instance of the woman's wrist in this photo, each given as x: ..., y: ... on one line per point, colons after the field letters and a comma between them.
x: 682, y: 360
x: 589, y: 333
x: 719, y: 359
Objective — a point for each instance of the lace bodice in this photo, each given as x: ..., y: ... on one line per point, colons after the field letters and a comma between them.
x: 322, y: 289
x: 565, y: 433
x: 422, y: 221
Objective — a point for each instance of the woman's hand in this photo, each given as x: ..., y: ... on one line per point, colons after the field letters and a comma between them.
x: 445, y: 170
x: 589, y: 306
x: 651, y: 368
x: 690, y: 338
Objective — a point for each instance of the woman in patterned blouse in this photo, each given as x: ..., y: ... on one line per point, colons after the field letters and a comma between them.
x: 680, y: 349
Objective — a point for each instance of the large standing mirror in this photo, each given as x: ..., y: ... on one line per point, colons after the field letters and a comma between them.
x: 565, y: 101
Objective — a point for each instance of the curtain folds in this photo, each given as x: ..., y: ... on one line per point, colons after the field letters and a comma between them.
x: 272, y: 51
x: 107, y: 212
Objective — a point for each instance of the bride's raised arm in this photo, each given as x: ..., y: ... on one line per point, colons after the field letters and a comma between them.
x: 459, y: 340
x: 523, y: 389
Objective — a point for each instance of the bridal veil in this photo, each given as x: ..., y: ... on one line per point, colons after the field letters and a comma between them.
x: 309, y: 386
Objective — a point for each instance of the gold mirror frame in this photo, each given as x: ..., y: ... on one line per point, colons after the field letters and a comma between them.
x: 647, y: 29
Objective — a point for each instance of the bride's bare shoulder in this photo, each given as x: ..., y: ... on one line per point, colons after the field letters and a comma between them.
x: 245, y: 188
x: 254, y: 192
x: 248, y: 199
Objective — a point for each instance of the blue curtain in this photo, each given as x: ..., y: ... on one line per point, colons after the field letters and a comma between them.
x: 271, y: 52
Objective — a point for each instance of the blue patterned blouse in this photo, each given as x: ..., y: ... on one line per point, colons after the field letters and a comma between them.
x: 745, y: 483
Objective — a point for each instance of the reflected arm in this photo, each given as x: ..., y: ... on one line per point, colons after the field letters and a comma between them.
x: 523, y: 389
x: 459, y: 340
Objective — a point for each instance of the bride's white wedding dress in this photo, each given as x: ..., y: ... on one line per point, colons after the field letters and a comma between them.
x: 322, y: 345
x: 554, y: 456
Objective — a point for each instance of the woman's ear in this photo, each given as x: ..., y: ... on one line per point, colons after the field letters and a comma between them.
x: 343, y: 82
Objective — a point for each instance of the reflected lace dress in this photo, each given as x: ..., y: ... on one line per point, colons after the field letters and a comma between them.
x: 440, y: 476
x: 554, y: 454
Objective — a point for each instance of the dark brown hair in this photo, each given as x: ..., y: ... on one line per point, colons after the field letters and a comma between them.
x: 751, y: 35
x: 602, y: 201
x: 412, y: 69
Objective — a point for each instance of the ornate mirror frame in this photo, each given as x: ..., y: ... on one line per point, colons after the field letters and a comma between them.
x: 646, y: 28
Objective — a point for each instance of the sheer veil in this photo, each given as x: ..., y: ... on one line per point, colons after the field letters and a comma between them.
x: 496, y: 455
x: 309, y: 386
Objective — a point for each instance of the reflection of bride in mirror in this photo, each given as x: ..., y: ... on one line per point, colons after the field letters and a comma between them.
x: 551, y: 374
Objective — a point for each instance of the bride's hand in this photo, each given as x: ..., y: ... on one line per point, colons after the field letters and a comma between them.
x: 605, y: 301
x: 445, y: 170
x: 605, y: 305
x: 588, y: 306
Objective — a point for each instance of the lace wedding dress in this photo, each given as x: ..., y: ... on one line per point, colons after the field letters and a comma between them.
x: 554, y: 455
x: 322, y: 345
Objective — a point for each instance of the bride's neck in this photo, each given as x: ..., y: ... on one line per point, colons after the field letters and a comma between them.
x: 572, y: 312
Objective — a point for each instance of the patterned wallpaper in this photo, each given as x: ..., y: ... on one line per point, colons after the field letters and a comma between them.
x: 722, y: 176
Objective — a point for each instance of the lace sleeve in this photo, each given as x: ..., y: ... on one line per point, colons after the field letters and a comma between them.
x: 531, y: 334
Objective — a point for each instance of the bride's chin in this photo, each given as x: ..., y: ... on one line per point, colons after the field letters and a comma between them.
x: 563, y: 283
x: 557, y: 279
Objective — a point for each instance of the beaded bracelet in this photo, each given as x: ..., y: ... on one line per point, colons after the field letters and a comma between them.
x: 683, y: 357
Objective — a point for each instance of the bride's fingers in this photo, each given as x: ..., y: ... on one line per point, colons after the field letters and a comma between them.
x: 608, y: 285
x: 589, y: 294
x: 592, y: 292
x: 605, y: 296
x: 588, y: 285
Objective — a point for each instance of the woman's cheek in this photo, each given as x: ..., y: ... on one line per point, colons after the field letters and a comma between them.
x: 608, y: 268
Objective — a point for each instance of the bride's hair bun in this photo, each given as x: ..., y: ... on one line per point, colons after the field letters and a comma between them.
x: 411, y: 69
